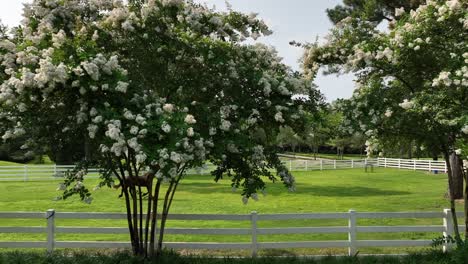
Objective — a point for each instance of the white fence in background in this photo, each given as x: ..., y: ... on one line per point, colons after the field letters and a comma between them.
x: 412, y: 164
x: 38, y: 172
x: 295, y: 163
x: 352, y: 229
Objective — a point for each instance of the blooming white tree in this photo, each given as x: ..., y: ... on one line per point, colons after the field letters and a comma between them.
x: 413, y: 79
x: 158, y: 87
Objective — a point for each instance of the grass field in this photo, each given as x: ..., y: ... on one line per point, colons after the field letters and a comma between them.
x: 317, y: 191
x: 9, y: 163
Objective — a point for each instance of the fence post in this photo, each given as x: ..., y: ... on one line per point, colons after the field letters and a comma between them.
x: 399, y: 163
x: 290, y: 165
x: 352, y: 233
x: 306, y: 165
x: 55, y: 170
x: 448, y: 228
x: 334, y: 164
x: 253, y: 218
x: 414, y: 164
x: 352, y: 164
x: 385, y: 163
x: 50, y: 217
x: 321, y: 164
x: 430, y: 165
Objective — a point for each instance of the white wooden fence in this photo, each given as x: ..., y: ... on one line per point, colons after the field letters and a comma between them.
x: 38, y: 172
x: 412, y: 164
x: 352, y: 229
x: 295, y: 163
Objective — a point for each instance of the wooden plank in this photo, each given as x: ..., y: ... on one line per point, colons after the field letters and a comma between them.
x: 396, y: 229
x: 70, y: 215
x: 208, y: 231
x: 228, y: 217
x: 400, y: 215
x: 25, y: 215
x: 196, y: 245
x: 303, y: 216
x: 394, y: 243
x: 65, y: 215
x: 303, y: 244
x: 22, y: 229
x: 23, y: 244
x: 302, y: 230
x: 92, y: 230
x: 172, y: 245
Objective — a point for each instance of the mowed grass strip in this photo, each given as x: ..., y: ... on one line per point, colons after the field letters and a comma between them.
x: 385, y: 190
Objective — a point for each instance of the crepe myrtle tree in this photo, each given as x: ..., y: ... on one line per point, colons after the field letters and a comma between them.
x: 159, y: 87
x: 412, y: 79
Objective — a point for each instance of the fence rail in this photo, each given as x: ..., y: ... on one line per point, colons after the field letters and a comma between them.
x: 352, y: 229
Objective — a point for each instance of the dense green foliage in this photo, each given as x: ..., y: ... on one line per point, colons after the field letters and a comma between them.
x: 171, y: 258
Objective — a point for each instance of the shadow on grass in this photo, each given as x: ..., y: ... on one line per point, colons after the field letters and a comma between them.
x: 330, y: 191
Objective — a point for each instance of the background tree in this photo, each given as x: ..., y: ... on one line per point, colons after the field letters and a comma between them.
x: 371, y: 10
x: 157, y: 87
x: 413, y: 79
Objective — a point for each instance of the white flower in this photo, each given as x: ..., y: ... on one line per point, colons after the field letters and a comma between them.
x: 190, y: 132
x: 166, y: 127
x: 453, y: 4
x: 168, y: 108
x: 92, y: 129
x: 127, y: 25
x: 212, y: 131
x: 141, y: 157
x: 406, y: 104
x: 93, y: 112
x: 140, y: 120
x: 465, y: 129
x: 225, y: 125
x: 388, y: 113
x: 134, y: 130
x: 113, y: 132
x: 458, y: 151
x: 121, y: 87
x: 176, y: 157
x: 399, y: 11
x: 279, y: 117
x: 190, y: 119
x: 22, y: 107
x: 92, y: 70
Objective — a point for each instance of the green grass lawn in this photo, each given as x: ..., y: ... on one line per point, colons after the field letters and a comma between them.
x: 385, y: 190
x: 9, y: 163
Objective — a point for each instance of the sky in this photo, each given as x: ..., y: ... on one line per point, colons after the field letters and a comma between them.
x: 299, y: 20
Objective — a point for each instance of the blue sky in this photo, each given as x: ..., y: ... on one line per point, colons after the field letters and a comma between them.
x: 300, y: 20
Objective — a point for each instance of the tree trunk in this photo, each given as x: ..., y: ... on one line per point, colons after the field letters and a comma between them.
x: 452, y: 200
x: 457, y: 176
x: 465, y: 200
